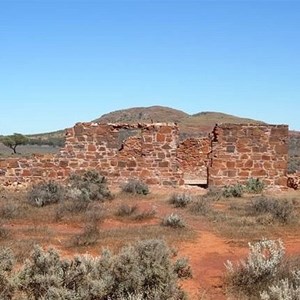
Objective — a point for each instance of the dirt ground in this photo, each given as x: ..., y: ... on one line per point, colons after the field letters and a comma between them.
x: 205, y: 241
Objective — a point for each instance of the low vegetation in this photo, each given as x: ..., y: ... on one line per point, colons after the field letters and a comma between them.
x: 265, y: 273
x: 233, y: 191
x: 144, y: 270
x: 78, y: 217
x: 180, y: 200
x: 254, y: 186
x: 134, y: 186
x: 201, y: 206
x: 80, y: 191
x: 173, y: 220
x: 47, y: 193
x: 280, y: 210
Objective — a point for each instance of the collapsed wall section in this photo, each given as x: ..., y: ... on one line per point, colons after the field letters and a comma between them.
x: 240, y: 152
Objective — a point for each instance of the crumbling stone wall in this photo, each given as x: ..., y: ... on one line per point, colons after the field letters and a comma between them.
x: 240, y: 152
x: 152, y: 152
x: 149, y: 154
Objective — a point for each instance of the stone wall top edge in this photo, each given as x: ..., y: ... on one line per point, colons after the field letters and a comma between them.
x: 127, y: 125
x: 226, y: 125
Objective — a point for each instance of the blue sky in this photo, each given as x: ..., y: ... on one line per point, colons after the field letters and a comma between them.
x: 67, y: 61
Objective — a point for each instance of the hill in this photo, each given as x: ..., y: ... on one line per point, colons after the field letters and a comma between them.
x: 143, y: 114
x: 189, y: 125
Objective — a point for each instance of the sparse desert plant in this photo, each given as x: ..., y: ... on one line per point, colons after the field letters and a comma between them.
x: 285, y: 289
x: 174, y: 221
x: 201, y: 206
x: 89, y: 236
x: 4, y: 232
x: 281, y: 210
x: 235, y: 191
x: 180, y: 200
x: 144, y: 270
x: 259, y: 269
x: 134, y: 186
x: 46, y: 193
x: 95, y: 215
x: 7, y: 285
x: 182, y: 268
x: 9, y: 210
x: 92, y: 186
x: 125, y: 210
x: 145, y: 214
x: 214, y: 193
x: 254, y: 186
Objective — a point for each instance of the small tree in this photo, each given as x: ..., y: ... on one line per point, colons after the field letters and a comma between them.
x: 12, y: 141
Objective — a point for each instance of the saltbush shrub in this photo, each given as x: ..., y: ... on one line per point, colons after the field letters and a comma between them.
x: 144, y: 270
x: 89, y: 236
x: 89, y: 186
x: 7, y: 286
x: 173, y: 220
x: 213, y: 193
x: 145, y: 214
x: 9, y: 210
x: 259, y: 269
x: 254, y: 186
x: 182, y: 268
x: 285, y: 289
x: 45, y: 193
x: 281, y: 210
x: 4, y: 232
x: 201, y: 206
x: 180, y: 200
x: 125, y: 210
x: 233, y: 191
x: 134, y: 186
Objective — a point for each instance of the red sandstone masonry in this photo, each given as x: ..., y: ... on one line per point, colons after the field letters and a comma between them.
x: 152, y: 152
x: 243, y: 151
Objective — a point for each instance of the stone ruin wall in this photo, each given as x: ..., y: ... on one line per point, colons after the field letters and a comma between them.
x: 152, y: 152
x: 150, y: 155
x: 240, y: 152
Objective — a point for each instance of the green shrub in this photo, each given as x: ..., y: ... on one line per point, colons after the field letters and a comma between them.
x: 235, y: 191
x: 259, y: 269
x: 90, y: 186
x: 4, y: 232
x: 47, y: 193
x: 125, y: 210
x: 145, y: 214
x: 285, y: 289
x: 7, y: 285
x: 89, y: 236
x: 180, y: 200
x: 254, y: 186
x: 214, y: 193
x: 182, y: 268
x: 9, y: 210
x: 266, y: 274
x: 134, y: 186
x: 173, y: 220
x: 281, y: 210
x: 142, y: 271
x: 201, y: 206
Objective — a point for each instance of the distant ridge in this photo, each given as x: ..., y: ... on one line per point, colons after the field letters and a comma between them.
x: 143, y: 114
x: 198, y: 124
x: 190, y: 125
